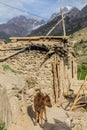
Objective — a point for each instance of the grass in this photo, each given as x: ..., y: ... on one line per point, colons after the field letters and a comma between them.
x: 8, y: 68
x: 2, y: 126
x: 82, y: 71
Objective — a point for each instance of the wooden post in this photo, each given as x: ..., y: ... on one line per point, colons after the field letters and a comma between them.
x: 64, y: 30
x: 76, y: 99
x: 55, y: 85
x: 58, y: 80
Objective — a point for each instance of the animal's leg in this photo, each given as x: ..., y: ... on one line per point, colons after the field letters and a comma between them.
x: 45, y: 114
x: 37, y: 118
x: 41, y: 118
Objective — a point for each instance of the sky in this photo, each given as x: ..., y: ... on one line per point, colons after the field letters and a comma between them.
x: 41, y: 9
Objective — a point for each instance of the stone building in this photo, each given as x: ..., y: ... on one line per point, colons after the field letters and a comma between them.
x: 51, y: 63
x: 29, y: 64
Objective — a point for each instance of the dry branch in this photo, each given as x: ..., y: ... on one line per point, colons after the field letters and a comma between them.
x: 78, y: 106
x: 48, y: 55
x: 7, y: 57
x: 54, y: 27
x: 9, y: 49
x: 76, y: 99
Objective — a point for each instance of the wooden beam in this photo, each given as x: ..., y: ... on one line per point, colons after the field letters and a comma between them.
x: 9, y: 56
x: 50, y: 31
x: 38, y: 37
x: 15, y: 53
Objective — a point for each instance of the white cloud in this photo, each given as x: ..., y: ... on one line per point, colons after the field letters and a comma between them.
x: 6, y: 12
x: 43, y: 8
x: 75, y: 3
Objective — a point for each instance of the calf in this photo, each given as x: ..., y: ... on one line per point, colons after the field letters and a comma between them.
x: 40, y: 103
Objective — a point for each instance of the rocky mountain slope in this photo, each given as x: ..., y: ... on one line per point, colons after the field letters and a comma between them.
x: 75, y: 19
x: 22, y: 26
x: 19, y: 26
x: 54, y: 15
x: 79, y: 42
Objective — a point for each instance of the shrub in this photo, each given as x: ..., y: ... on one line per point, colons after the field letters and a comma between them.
x: 82, y: 71
x: 2, y: 126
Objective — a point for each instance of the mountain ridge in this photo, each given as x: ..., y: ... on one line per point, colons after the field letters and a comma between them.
x: 75, y: 19
x: 19, y: 26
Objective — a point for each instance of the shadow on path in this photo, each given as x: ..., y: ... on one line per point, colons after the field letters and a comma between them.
x: 59, y: 125
x: 31, y: 113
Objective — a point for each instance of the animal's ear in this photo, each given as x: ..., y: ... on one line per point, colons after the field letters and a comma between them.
x: 45, y: 94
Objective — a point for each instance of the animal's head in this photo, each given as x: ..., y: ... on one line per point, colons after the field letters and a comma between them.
x: 47, y: 101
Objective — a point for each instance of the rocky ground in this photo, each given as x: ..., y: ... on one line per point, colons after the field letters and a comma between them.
x: 19, y: 115
x: 58, y: 119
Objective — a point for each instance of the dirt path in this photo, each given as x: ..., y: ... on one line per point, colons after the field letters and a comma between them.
x: 56, y: 121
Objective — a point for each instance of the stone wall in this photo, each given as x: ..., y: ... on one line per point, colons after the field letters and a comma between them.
x: 38, y: 72
x: 38, y: 75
